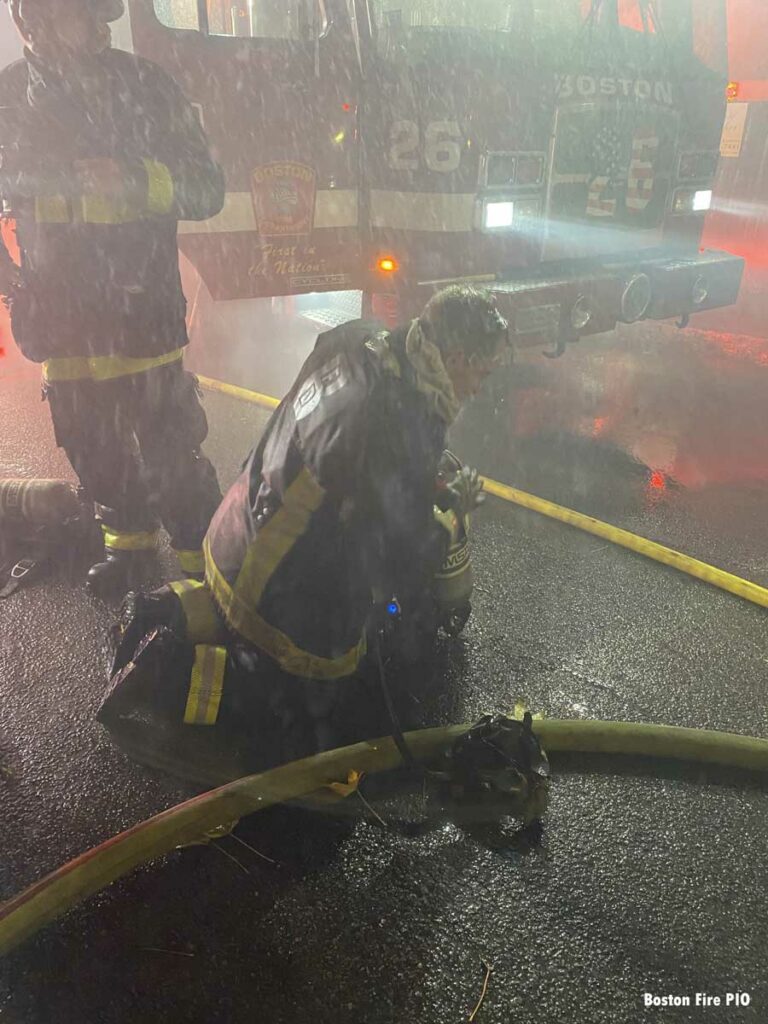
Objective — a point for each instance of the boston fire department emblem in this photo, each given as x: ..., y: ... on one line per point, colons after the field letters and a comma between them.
x: 283, y: 199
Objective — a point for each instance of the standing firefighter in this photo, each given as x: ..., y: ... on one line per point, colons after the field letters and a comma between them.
x: 101, y: 156
x: 331, y: 524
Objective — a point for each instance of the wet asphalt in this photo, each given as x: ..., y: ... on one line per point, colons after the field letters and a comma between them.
x: 649, y: 878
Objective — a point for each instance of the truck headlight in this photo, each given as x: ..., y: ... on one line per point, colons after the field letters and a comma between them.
x: 692, y: 200
x: 636, y: 298
x: 519, y: 214
x: 498, y: 215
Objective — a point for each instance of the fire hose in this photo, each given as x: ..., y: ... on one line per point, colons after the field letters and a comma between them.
x: 711, y: 574
x: 186, y: 823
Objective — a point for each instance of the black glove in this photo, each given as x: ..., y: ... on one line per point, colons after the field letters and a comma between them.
x: 466, y: 491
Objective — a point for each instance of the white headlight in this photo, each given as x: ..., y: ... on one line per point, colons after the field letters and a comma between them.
x: 692, y: 200
x: 498, y: 215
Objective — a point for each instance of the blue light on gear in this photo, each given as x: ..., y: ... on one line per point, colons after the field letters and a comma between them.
x: 393, y: 608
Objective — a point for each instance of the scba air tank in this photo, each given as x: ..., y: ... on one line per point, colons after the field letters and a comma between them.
x: 37, y: 504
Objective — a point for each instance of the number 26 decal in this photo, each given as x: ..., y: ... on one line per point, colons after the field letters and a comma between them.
x: 640, y: 181
x: 441, y: 150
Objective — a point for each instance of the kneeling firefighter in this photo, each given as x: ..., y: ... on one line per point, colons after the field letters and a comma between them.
x: 347, y: 523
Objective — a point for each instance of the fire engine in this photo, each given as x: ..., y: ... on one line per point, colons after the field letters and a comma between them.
x: 738, y: 219
x: 561, y: 152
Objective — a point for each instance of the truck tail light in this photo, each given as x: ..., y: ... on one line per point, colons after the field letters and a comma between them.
x: 387, y: 264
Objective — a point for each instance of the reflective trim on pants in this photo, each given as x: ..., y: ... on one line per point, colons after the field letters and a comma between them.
x: 206, y: 685
x: 119, y: 540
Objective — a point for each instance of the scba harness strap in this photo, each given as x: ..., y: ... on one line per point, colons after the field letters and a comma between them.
x: 16, y: 575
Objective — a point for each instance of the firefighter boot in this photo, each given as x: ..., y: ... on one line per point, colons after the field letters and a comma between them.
x: 118, y: 572
x: 140, y: 614
x: 154, y: 682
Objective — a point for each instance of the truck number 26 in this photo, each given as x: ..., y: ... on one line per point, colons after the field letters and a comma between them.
x: 441, y: 151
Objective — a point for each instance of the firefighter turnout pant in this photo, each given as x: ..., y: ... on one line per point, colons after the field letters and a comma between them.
x: 134, y: 441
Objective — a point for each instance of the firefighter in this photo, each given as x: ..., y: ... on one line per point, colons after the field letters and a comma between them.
x: 329, y: 530
x: 101, y: 156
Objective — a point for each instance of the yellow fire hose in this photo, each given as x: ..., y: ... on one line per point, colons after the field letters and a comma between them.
x: 640, y: 545
x: 185, y: 823
x: 267, y: 401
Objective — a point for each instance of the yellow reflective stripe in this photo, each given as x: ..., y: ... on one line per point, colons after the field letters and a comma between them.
x: 206, y: 685
x: 191, y: 561
x: 159, y: 187
x: 204, y: 625
x: 51, y: 210
x: 103, y: 367
x: 99, y: 209
x: 120, y: 541
x: 180, y: 587
x: 276, y: 538
x: 252, y: 627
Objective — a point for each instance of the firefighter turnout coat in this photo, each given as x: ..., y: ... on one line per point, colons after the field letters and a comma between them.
x: 100, y: 274
x: 333, y: 511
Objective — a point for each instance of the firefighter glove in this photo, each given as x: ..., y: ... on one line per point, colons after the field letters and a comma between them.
x: 466, y: 491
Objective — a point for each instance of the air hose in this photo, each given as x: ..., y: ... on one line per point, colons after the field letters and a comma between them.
x: 185, y: 823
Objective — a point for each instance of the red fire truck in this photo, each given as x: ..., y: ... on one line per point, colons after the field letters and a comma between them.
x: 561, y: 151
x: 739, y: 218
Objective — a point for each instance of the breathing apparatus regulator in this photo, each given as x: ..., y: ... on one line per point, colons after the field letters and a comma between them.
x: 41, y: 521
x: 497, y: 768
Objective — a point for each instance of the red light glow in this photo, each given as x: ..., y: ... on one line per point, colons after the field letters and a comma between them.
x: 658, y: 481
